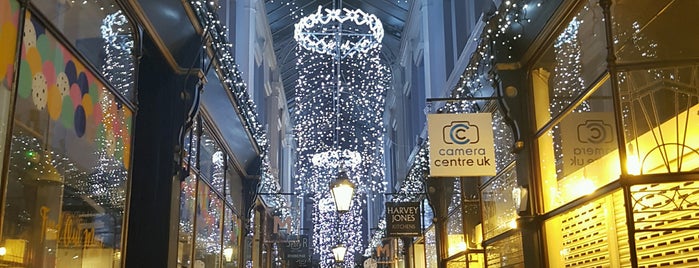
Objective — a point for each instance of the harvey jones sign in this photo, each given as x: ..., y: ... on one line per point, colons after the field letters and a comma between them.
x: 403, y: 219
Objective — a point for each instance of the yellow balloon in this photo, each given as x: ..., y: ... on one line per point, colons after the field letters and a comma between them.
x: 55, y: 102
x: 87, y: 104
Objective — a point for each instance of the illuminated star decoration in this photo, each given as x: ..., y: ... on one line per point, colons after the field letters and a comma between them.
x: 339, y: 125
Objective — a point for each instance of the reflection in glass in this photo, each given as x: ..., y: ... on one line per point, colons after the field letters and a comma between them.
x: 231, y: 236
x: 570, y: 65
x: 101, y: 32
x: 498, y: 205
x: 207, y: 251
x: 187, y: 209
x: 506, y: 252
x: 9, y: 20
x: 455, y: 234
x: 654, y: 32
x: 580, y: 153
x: 212, y: 159
x: 660, y: 113
x: 431, y: 259
x: 71, y: 147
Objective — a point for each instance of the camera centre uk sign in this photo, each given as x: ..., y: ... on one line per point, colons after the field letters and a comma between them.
x: 403, y: 219
x: 461, y: 145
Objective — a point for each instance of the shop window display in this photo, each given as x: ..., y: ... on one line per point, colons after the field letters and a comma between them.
x: 101, y: 31
x: 209, y: 228
x: 9, y: 23
x: 69, y: 162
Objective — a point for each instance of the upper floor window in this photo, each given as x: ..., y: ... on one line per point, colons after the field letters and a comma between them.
x: 658, y: 62
x: 100, y: 30
x: 574, y: 110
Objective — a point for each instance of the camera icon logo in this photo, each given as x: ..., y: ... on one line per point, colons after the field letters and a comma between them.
x: 595, y: 131
x: 460, y: 132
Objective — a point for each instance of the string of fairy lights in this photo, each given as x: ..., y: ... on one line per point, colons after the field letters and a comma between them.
x: 507, y: 20
x: 220, y: 45
x: 340, y: 97
x: 361, y: 127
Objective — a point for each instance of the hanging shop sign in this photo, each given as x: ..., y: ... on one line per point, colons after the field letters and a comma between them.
x: 298, y: 250
x: 589, y: 140
x: 461, y: 145
x: 386, y: 251
x: 403, y: 219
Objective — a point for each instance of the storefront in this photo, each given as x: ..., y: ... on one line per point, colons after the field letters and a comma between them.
x: 66, y: 117
x: 613, y: 158
x: 82, y: 175
x: 210, y: 229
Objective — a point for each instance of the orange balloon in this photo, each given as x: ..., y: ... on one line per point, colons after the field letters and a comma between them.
x: 8, y: 37
x: 34, y: 60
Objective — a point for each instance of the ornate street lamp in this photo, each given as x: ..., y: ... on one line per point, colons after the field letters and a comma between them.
x: 339, y: 252
x: 342, y: 190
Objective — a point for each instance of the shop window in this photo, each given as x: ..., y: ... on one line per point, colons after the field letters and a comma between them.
x: 211, y: 161
x: 666, y: 220
x: 571, y: 64
x: 209, y: 210
x: 592, y: 235
x: 456, y: 242
x: 659, y: 104
x: 504, y: 140
x: 100, y: 30
x: 234, y: 186
x: 499, y: 204
x: 660, y: 111
x: 209, y: 229
x: 187, y: 210
x: 506, y: 252
x: 69, y: 162
x: 580, y: 153
x: 431, y: 257
x: 9, y: 24
x: 231, y: 239
x: 574, y: 110
x: 661, y: 30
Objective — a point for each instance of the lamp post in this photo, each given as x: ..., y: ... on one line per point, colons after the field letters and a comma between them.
x: 339, y: 252
x: 342, y: 190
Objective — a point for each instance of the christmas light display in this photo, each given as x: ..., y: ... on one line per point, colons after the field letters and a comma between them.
x: 339, y: 120
x: 316, y: 32
x: 510, y: 17
x: 222, y: 56
x: 118, y: 67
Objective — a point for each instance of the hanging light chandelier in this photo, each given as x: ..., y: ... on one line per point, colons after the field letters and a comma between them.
x: 317, y: 32
x: 340, y: 96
